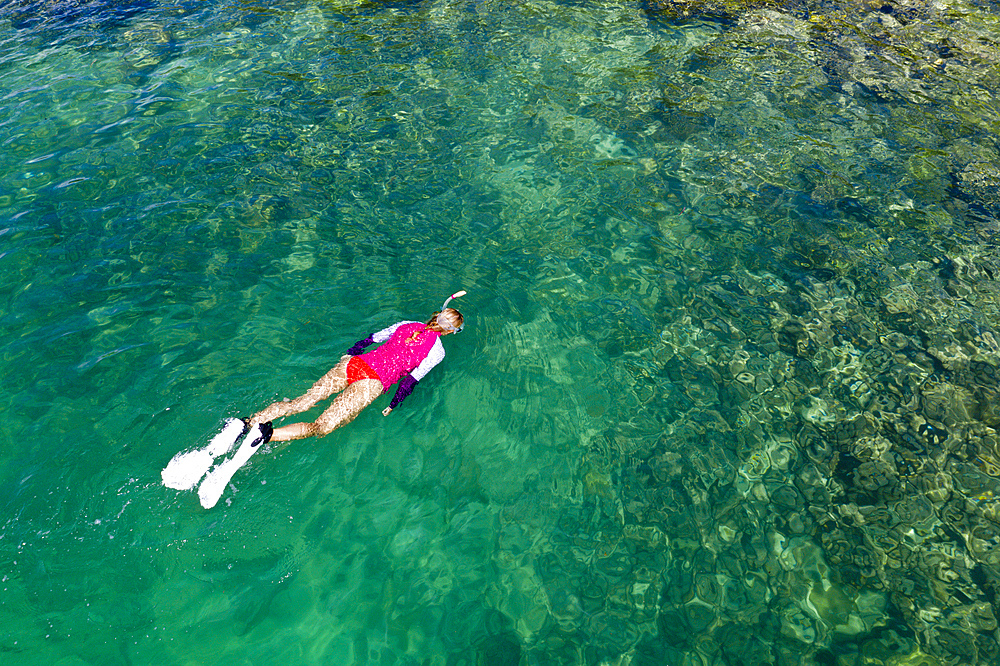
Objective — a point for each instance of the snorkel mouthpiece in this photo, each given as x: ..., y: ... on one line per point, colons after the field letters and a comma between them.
x: 445, y: 325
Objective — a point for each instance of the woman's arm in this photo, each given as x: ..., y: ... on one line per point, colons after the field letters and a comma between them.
x: 375, y: 338
x: 409, y: 381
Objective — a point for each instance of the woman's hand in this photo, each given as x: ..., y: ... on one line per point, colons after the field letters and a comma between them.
x: 385, y: 412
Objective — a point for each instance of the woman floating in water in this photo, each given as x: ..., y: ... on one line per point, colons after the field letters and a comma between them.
x: 406, y: 353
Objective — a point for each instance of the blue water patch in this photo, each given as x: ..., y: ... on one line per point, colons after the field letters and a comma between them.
x: 71, y: 14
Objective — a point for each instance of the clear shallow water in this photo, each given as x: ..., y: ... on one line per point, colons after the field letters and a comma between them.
x: 727, y: 390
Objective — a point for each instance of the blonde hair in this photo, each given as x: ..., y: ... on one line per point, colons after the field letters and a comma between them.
x: 450, y: 315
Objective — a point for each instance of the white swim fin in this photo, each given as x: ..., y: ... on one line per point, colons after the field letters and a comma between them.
x: 214, y: 485
x: 185, y: 469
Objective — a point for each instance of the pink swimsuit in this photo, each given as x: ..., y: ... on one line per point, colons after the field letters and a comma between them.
x: 398, y: 355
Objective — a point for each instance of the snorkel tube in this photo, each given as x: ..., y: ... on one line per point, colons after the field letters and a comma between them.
x: 445, y: 325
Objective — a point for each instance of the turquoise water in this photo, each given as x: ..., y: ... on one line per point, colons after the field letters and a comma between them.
x: 727, y: 390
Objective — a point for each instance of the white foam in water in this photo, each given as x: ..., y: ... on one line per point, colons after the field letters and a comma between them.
x: 186, y: 468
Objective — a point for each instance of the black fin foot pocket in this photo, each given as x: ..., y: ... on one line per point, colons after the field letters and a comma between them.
x: 266, y: 430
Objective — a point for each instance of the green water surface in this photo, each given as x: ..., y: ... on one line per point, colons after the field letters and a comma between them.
x: 727, y: 389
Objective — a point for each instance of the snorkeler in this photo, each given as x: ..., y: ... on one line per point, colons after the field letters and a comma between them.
x: 406, y: 353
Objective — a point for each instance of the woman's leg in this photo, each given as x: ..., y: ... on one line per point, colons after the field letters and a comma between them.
x: 332, y: 382
x: 344, y: 409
